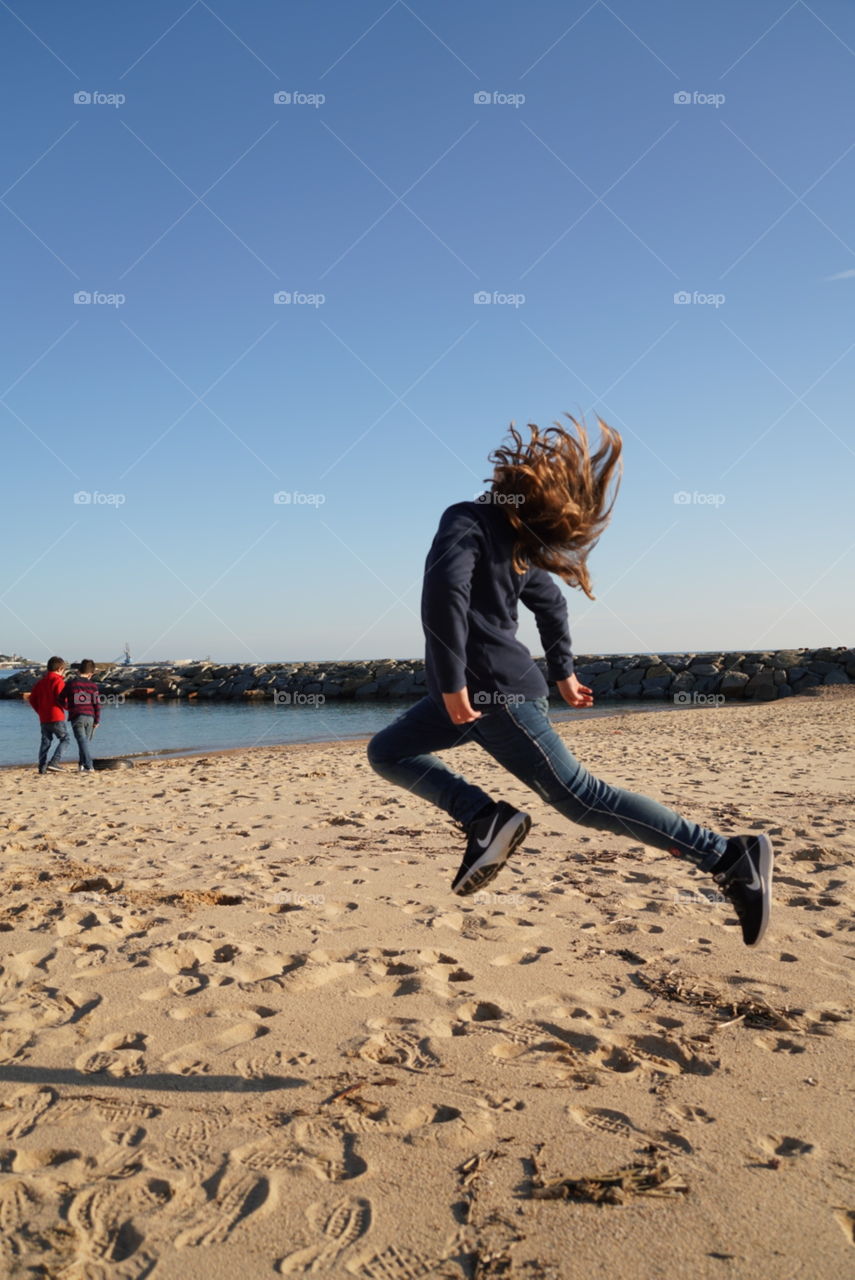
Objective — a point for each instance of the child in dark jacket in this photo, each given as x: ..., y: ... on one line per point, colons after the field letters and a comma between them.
x: 82, y: 697
x: 46, y: 701
x: 548, y: 505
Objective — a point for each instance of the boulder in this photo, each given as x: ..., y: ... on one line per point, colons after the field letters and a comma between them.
x: 761, y: 687
x: 837, y: 677
x: 704, y: 669
x: 732, y: 684
x: 367, y: 689
x: 786, y: 658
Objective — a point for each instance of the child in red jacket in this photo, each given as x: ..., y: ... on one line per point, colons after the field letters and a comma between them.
x: 45, y: 701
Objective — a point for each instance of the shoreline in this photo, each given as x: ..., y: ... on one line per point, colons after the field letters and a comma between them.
x: 170, y: 755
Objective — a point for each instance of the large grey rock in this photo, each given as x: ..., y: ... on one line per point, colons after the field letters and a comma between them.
x: 684, y: 682
x: 787, y: 658
x: 837, y: 677
x: 761, y: 687
x: 732, y: 684
x: 704, y: 669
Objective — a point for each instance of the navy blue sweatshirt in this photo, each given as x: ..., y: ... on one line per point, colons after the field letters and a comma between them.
x: 469, y: 611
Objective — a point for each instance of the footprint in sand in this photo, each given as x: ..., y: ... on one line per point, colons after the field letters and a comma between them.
x: 22, y: 1112
x: 692, y: 1114
x: 324, y: 1148
x: 777, y: 1145
x: 603, y: 1120
x: 240, y: 1194
x: 339, y: 1229
x: 397, y: 1048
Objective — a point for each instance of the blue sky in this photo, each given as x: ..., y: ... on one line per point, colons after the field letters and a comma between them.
x: 581, y: 197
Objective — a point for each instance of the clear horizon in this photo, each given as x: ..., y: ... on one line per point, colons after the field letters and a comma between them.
x: 279, y: 277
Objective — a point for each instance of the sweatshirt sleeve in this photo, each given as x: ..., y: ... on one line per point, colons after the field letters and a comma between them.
x: 64, y: 696
x: 445, y: 596
x: 542, y: 595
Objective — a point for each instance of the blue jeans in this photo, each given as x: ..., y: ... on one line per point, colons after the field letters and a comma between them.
x: 83, y: 727
x: 520, y: 737
x: 55, y: 729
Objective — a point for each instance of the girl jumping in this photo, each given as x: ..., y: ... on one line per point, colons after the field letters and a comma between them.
x: 548, y: 504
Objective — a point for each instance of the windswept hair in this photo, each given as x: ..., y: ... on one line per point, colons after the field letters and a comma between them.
x: 555, y: 492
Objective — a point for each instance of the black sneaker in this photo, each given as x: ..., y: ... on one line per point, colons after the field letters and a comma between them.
x: 491, y: 840
x: 54, y: 768
x: 746, y: 881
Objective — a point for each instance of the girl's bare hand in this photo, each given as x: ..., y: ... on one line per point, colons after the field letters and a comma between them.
x: 459, y: 707
x: 574, y: 693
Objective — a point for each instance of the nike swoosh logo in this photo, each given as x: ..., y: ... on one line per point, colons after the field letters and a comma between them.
x: 482, y: 844
x: 756, y: 882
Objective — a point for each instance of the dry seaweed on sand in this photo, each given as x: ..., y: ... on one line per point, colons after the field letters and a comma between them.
x: 754, y: 1011
x: 640, y: 1179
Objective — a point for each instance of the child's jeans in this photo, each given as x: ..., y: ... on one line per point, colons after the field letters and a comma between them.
x: 50, y: 730
x: 519, y: 736
x: 83, y: 727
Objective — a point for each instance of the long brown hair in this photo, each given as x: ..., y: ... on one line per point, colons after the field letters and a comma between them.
x: 556, y: 496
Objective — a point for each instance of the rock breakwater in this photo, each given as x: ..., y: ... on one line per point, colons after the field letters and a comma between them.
x: 690, y: 678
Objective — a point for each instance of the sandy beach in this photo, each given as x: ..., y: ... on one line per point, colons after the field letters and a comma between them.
x: 248, y: 1030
